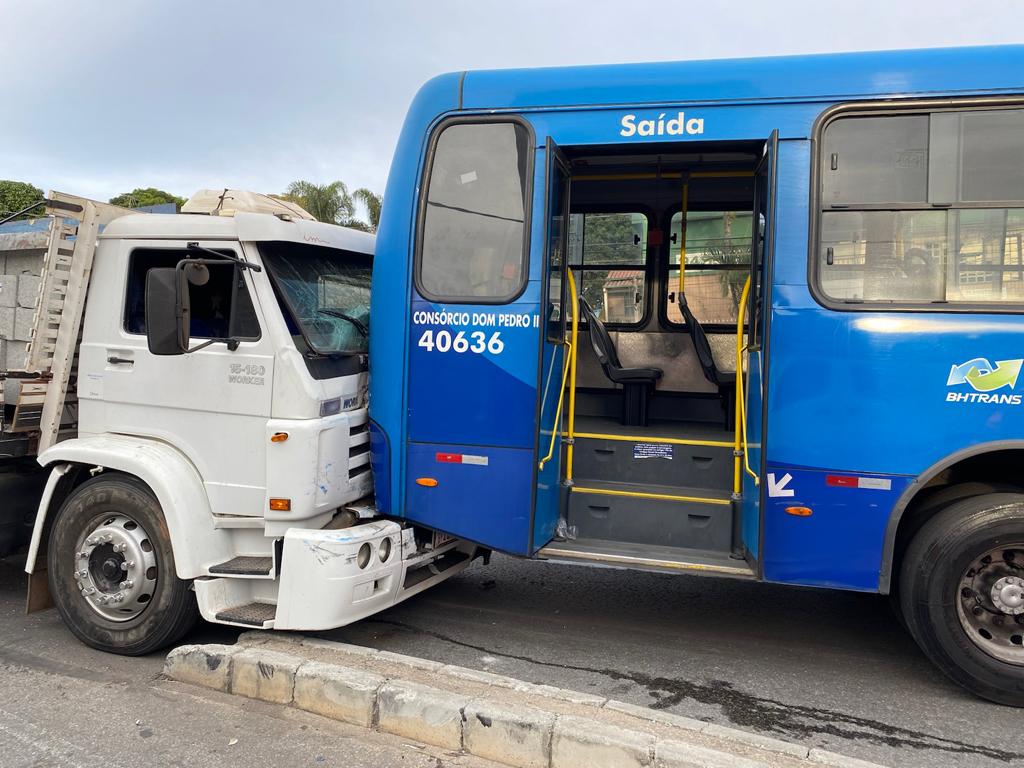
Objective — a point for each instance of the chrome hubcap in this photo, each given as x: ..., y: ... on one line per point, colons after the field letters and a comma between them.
x: 991, y: 603
x: 115, y: 568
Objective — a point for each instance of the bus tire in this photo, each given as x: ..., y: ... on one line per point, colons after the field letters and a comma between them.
x: 929, y: 504
x: 962, y: 594
x: 111, y: 569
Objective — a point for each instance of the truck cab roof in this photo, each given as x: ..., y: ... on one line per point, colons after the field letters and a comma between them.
x: 242, y: 226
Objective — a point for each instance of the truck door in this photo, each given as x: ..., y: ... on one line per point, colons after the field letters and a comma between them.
x: 476, y: 331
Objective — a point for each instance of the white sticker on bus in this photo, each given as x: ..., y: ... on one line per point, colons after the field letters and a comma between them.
x: 476, y: 342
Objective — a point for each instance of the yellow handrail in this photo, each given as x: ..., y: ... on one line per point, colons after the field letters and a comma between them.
x: 555, y: 427
x: 571, y: 426
x: 740, y: 440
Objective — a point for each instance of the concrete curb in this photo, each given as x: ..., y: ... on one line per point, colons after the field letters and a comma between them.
x: 557, y: 729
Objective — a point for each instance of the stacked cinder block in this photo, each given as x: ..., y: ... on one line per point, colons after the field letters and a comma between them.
x: 21, y: 261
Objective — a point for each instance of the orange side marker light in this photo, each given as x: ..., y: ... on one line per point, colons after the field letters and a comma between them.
x: 799, y: 511
x: 426, y: 482
x: 281, y: 505
x: 279, y: 437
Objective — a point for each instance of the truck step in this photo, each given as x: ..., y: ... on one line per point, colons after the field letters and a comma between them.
x: 255, y: 614
x: 244, y: 565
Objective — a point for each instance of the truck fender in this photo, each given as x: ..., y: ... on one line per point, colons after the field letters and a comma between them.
x: 174, y: 480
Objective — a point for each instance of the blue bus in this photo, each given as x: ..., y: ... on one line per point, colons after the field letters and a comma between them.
x: 751, y: 318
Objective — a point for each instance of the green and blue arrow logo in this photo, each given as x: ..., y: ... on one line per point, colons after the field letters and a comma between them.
x: 982, y: 376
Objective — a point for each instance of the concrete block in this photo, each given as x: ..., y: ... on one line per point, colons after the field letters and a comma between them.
x: 340, y: 693
x: 824, y: 757
x: 15, y: 354
x: 6, y: 322
x: 476, y: 676
x: 756, y: 740
x: 519, y: 737
x: 24, y: 262
x: 23, y: 323
x: 677, y: 754
x: 264, y: 675
x: 205, y: 665
x: 581, y: 743
x: 421, y: 713
x: 656, y: 715
x: 561, y: 694
x: 28, y: 291
x: 8, y: 290
x: 410, y: 661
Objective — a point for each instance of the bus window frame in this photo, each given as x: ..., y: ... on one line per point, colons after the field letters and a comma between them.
x: 815, y: 211
x: 649, y: 267
x: 424, y: 190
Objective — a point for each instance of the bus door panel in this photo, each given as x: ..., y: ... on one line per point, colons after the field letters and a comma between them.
x: 758, y: 311
x: 473, y: 355
x: 554, y: 350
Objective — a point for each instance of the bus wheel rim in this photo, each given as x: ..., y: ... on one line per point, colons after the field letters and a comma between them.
x: 115, y: 567
x: 990, y: 603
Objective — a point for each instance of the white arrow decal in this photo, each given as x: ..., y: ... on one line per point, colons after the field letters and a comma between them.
x: 778, y: 487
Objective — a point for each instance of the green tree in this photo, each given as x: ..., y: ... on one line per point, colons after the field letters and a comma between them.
x: 330, y: 203
x: 16, y: 195
x: 371, y: 202
x: 139, y: 198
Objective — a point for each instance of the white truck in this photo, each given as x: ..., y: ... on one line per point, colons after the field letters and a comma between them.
x: 197, y: 387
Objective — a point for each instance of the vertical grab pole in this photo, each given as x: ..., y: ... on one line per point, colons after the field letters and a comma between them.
x: 682, y: 237
x: 739, y: 443
x: 570, y: 439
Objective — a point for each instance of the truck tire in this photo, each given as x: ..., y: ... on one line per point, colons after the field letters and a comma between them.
x: 111, y: 569
x: 962, y: 594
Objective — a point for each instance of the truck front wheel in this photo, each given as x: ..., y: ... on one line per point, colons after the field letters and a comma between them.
x: 962, y: 594
x: 111, y: 569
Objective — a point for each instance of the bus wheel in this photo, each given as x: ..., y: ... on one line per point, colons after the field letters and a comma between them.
x: 111, y: 569
x: 962, y: 592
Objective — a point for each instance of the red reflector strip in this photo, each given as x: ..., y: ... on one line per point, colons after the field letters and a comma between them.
x: 841, y: 480
x: 845, y: 481
x: 462, y: 458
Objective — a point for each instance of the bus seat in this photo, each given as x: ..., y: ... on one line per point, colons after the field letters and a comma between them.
x: 637, y: 383
x: 724, y: 380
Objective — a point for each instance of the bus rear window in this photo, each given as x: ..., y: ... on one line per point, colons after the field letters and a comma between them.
x: 474, y: 222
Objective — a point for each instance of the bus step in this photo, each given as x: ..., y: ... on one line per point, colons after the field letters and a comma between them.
x: 646, y: 558
x: 254, y: 614
x: 648, y: 463
x: 688, y: 518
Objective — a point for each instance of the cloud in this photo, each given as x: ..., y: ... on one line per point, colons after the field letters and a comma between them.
x: 100, y: 98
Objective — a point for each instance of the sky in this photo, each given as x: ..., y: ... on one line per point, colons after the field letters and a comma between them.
x: 101, y: 97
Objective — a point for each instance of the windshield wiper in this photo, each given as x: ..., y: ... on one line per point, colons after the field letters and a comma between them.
x: 359, y: 324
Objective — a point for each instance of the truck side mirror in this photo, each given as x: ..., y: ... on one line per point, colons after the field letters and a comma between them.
x: 167, y: 311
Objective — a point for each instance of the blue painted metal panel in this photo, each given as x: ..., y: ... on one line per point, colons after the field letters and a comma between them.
x: 390, y: 308
x: 836, y: 546
x: 482, y: 502
x: 832, y: 77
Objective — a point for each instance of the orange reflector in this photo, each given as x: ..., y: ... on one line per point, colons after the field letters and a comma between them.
x: 279, y: 437
x: 281, y: 505
x: 426, y: 482
x: 799, y: 511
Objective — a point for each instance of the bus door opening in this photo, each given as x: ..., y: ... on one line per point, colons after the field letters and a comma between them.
x: 659, y: 248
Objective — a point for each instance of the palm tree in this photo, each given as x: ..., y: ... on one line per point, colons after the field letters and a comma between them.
x: 371, y: 201
x: 330, y: 203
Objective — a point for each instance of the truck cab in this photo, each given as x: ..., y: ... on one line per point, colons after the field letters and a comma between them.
x: 222, y: 439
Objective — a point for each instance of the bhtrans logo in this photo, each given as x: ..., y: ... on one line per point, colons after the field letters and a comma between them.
x: 986, y: 380
x: 677, y: 125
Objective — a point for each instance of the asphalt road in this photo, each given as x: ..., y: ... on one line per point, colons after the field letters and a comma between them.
x: 63, y: 705
x: 823, y: 668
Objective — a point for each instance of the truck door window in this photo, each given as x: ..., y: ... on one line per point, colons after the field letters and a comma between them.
x: 222, y: 308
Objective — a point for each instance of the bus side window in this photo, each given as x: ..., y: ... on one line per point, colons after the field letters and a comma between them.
x: 473, y: 240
